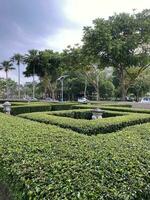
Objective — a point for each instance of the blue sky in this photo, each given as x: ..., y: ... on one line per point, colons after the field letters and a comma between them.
x: 52, y: 24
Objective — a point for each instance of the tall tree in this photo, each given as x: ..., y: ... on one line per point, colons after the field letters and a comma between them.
x: 31, y: 59
x: 47, y: 67
x: 18, y: 59
x: 122, y: 41
x: 83, y: 67
x: 12, y: 85
x: 6, y: 66
x: 141, y: 85
x: 50, y: 70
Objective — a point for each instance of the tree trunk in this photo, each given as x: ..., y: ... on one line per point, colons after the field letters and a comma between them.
x: 6, y: 84
x: 97, y: 86
x: 85, y: 87
x: 45, y: 92
x: 18, y: 81
x: 33, y: 94
x: 52, y: 89
x: 122, y: 81
x: 53, y: 94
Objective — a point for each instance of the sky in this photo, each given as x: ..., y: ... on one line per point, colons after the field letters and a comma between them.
x: 52, y: 24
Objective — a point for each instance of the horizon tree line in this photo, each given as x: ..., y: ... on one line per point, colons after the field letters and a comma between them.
x: 122, y: 42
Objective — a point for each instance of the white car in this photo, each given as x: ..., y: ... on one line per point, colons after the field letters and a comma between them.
x: 145, y: 100
x: 83, y: 100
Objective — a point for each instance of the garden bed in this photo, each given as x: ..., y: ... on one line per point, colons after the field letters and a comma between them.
x: 47, y: 162
x: 92, y: 127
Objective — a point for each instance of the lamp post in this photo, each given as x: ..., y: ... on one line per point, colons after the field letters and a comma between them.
x: 97, y: 113
x: 61, y: 79
x: 7, y: 107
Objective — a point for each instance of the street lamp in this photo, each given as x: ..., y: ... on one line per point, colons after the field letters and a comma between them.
x: 7, y: 107
x: 61, y: 79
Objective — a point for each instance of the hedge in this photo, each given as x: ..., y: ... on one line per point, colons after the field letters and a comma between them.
x: 47, y: 162
x: 62, y: 106
x: 84, y: 113
x: 38, y: 107
x: 113, y: 108
x: 29, y: 108
x: 92, y: 127
x: 119, y: 105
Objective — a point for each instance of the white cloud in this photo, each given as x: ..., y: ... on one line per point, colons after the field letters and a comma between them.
x: 64, y: 38
x: 81, y: 13
x: 84, y: 11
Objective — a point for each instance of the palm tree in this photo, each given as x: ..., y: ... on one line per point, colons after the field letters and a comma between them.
x: 6, y: 66
x: 18, y: 59
x: 31, y: 59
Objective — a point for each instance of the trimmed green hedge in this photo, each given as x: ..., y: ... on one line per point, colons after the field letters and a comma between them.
x: 119, y: 105
x: 47, y: 162
x: 38, y: 107
x: 62, y: 106
x: 92, y: 127
x: 29, y: 108
x: 122, y: 109
x: 113, y: 108
x: 84, y: 113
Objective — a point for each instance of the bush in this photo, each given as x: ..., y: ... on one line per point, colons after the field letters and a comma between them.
x: 112, y: 108
x: 77, y: 114
x: 119, y: 105
x: 29, y: 108
x: 93, y: 127
x: 47, y: 162
x: 62, y: 106
x: 84, y: 114
x: 17, y: 108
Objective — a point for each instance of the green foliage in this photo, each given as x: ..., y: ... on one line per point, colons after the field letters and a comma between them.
x: 47, y: 66
x: 39, y: 107
x: 25, y: 107
x: 142, y: 84
x: 114, y: 107
x: 31, y: 60
x: 107, y: 89
x: 124, y: 109
x: 62, y: 106
x: 92, y: 127
x: 29, y: 108
x: 84, y: 114
x: 47, y: 162
x: 6, y: 66
x: 17, y: 58
x: 12, y: 88
x: 121, y: 41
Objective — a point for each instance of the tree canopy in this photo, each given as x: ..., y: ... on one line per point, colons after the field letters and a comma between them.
x: 121, y: 41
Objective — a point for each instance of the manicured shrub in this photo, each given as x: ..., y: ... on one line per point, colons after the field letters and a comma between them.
x: 47, y: 162
x: 119, y: 105
x: 84, y: 113
x: 77, y: 114
x: 92, y: 127
x: 29, y: 108
x: 62, y: 106
x: 113, y: 108
x: 1, y: 109
x: 18, y: 108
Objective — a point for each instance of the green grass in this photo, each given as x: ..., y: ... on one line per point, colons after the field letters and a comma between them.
x: 48, y: 162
